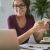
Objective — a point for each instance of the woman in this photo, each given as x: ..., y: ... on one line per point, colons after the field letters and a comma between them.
x: 24, y: 24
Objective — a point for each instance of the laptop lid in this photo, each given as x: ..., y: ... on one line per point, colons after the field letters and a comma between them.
x: 8, y: 39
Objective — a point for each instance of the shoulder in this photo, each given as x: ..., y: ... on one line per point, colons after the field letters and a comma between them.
x: 31, y: 17
x: 11, y: 16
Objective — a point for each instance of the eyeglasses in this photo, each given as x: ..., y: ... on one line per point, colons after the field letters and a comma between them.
x: 21, y: 6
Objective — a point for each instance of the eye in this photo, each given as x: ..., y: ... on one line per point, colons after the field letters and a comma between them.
x: 15, y: 5
x: 22, y: 5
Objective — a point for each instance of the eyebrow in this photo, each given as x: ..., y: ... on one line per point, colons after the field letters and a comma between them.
x: 20, y: 4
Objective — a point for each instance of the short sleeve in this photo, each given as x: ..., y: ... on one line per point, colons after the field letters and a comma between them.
x: 10, y: 23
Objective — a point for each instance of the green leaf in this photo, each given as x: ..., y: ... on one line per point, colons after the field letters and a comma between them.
x: 41, y: 6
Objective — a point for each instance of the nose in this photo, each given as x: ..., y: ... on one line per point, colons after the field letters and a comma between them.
x: 18, y: 9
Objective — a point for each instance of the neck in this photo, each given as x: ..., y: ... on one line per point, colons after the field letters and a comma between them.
x: 20, y: 17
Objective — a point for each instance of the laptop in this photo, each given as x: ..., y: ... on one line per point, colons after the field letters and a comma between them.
x: 8, y: 39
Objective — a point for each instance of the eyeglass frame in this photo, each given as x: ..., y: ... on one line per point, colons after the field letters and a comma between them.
x: 20, y: 6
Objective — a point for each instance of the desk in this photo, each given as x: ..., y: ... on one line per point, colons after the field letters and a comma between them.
x: 23, y: 49
x: 35, y: 46
x: 41, y: 43
x: 44, y: 43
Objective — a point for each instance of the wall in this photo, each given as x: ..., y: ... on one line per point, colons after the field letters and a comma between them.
x: 5, y: 10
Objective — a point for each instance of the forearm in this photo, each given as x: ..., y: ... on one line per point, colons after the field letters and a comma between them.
x: 37, y: 26
x: 25, y: 36
x: 38, y: 36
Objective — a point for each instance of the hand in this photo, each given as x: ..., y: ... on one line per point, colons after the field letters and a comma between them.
x: 48, y: 22
x: 38, y: 25
x: 45, y: 28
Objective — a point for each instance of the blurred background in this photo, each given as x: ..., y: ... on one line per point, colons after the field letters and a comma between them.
x: 6, y: 10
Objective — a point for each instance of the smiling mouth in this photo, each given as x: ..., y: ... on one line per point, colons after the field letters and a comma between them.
x: 19, y: 12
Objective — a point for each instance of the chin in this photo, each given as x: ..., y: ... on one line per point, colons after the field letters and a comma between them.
x: 19, y: 15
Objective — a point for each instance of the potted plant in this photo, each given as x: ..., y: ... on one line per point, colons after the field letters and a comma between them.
x: 42, y: 8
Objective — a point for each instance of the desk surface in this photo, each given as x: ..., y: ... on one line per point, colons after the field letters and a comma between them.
x: 44, y: 42
x: 23, y: 49
x: 41, y: 42
x: 35, y: 44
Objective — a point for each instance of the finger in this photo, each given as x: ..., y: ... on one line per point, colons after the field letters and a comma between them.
x: 41, y: 21
x: 46, y: 24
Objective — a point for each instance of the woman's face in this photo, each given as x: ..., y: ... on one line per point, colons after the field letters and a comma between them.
x: 20, y: 8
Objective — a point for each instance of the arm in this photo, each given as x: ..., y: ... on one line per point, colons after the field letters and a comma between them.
x: 31, y: 31
x: 22, y: 37
x: 39, y: 35
x: 37, y: 26
x: 25, y: 35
